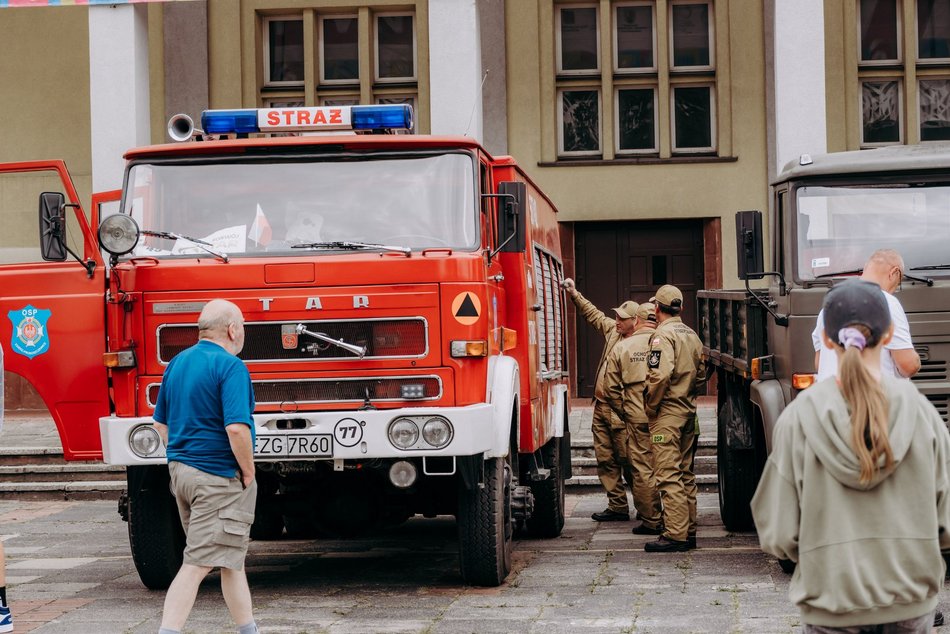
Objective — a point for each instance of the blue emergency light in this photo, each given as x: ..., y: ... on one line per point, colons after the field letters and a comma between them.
x: 229, y: 121
x: 360, y: 118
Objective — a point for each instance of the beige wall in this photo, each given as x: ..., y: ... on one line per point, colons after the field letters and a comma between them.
x: 669, y: 188
x: 44, y: 82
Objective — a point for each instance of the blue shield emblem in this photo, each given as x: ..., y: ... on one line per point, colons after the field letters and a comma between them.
x: 30, y: 337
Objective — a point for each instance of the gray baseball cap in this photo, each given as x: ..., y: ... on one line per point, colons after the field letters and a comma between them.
x: 856, y: 302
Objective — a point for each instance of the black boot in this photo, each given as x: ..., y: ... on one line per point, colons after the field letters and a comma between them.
x: 666, y: 545
x: 608, y: 515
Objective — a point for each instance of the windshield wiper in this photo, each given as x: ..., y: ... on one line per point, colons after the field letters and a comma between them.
x: 201, y: 244
x: 931, y: 267
x: 345, y: 244
x: 837, y: 273
x: 922, y: 280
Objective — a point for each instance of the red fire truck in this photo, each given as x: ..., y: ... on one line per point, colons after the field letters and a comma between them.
x: 404, y: 325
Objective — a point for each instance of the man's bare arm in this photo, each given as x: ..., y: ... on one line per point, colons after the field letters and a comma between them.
x: 907, y: 361
x: 162, y: 430
x: 239, y: 435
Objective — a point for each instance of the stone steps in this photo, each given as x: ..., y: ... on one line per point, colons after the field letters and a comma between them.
x: 584, y: 465
x: 41, y: 473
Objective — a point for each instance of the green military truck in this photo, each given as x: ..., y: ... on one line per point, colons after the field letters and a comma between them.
x: 828, y: 214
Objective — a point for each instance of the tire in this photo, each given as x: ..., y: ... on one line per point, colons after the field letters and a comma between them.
x: 547, y: 520
x: 787, y: 566
x: 485, y: 527
x: 156, y: 537
x: 736, y: 469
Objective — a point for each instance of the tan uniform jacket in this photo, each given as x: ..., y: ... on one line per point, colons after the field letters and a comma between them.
x: 608, y: 327
x: 626, y: 374
x: 675, y: 370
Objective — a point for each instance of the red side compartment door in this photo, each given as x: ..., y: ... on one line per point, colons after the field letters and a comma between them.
x: 52, y: 314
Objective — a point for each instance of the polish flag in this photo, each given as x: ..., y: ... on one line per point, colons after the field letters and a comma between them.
x: 260, y: 230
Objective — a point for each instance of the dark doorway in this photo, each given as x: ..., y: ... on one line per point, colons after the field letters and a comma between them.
x: 617, y: 261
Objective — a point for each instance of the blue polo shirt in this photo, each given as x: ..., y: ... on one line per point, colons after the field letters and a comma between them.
x: 204, y: 389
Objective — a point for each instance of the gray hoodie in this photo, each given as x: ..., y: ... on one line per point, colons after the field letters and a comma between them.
x: 867, y: 553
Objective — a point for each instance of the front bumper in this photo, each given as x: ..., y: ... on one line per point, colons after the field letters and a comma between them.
x: 354, y: 435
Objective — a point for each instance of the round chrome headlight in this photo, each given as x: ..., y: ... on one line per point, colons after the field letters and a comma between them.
x: 145, y: 441
x: 403, y: 474
x: 118, y: 234
x: 403, y: 433
x: 437, y: 432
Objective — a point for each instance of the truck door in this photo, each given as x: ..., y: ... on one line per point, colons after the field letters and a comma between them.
x: 52, y: 323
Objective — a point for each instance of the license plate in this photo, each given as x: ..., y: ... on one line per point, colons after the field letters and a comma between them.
x: 294, y: 446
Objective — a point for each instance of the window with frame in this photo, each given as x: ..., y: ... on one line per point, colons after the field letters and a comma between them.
x: 283, y: 51
x: 339, y: 49
x: 395, y: 47
x: 890, y: 98
x: 336, y: 58
x: 639, y: 70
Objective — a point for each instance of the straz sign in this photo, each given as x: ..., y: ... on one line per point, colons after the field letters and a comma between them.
x: 289, y: 119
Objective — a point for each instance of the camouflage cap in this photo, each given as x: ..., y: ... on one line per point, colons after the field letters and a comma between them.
x: 647, y: 312
x: 668, y: 296
x: 627, y: 310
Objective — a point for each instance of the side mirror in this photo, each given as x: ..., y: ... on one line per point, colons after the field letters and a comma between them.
x: 749, y: 245
x: 53, y: 226
x: 511, y: 216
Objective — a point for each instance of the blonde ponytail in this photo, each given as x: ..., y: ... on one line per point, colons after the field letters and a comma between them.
x: 869, y: 411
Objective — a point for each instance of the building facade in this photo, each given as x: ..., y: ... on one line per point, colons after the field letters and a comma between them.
x: 648, y: 122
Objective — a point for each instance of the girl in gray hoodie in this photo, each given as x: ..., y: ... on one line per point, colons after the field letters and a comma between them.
x: 857, y: 488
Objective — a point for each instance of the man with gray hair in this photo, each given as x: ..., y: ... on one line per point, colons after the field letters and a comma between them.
x: 885, y: 268
x: 204, y: 414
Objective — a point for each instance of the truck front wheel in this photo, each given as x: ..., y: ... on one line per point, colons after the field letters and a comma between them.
x: 155, y: 533
x: 485, y: 526
x: 736, y: 465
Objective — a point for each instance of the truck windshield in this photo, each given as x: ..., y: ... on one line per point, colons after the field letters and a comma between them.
x: 269, y: 206
x: 839, y: 227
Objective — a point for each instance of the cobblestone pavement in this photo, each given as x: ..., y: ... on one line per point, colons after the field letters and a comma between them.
x: 69, y: 570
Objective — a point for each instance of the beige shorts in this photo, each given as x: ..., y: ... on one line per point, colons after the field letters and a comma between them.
x: 216, y: 513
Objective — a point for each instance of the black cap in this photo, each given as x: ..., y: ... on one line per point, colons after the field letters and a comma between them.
x: 856, y: 302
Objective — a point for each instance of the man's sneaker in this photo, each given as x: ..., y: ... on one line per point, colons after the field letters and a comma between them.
x: 691, y: 540
x: 666, y: 545
x: 938, y: 619
x: 6, y: 620
x: 643, y: 529
x: 608, y: 515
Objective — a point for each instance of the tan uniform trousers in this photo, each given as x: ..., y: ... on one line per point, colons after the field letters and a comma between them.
x: 674, y: 444
x: 610, y: 450
x: 646, y: 499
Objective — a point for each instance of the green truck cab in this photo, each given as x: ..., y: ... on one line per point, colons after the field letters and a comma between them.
x: 827, y: 215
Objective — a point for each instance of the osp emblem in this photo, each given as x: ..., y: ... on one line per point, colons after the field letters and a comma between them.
x: 30, y: 337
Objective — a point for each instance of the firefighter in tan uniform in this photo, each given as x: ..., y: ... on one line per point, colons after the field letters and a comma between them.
x: 625, y: 378
x: 675, y: 370
x: 610, y: 433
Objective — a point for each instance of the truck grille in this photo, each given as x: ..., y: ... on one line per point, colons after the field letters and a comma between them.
x: 932, y: 371
x: 279, y: 391
x: 942, y: 403
x: 383, y: 338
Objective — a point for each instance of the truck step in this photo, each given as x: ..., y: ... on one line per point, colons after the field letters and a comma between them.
x: 89, y: 490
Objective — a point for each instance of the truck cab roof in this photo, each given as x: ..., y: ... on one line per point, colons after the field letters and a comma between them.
x: 899, y: 158
x: 301, y: 144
